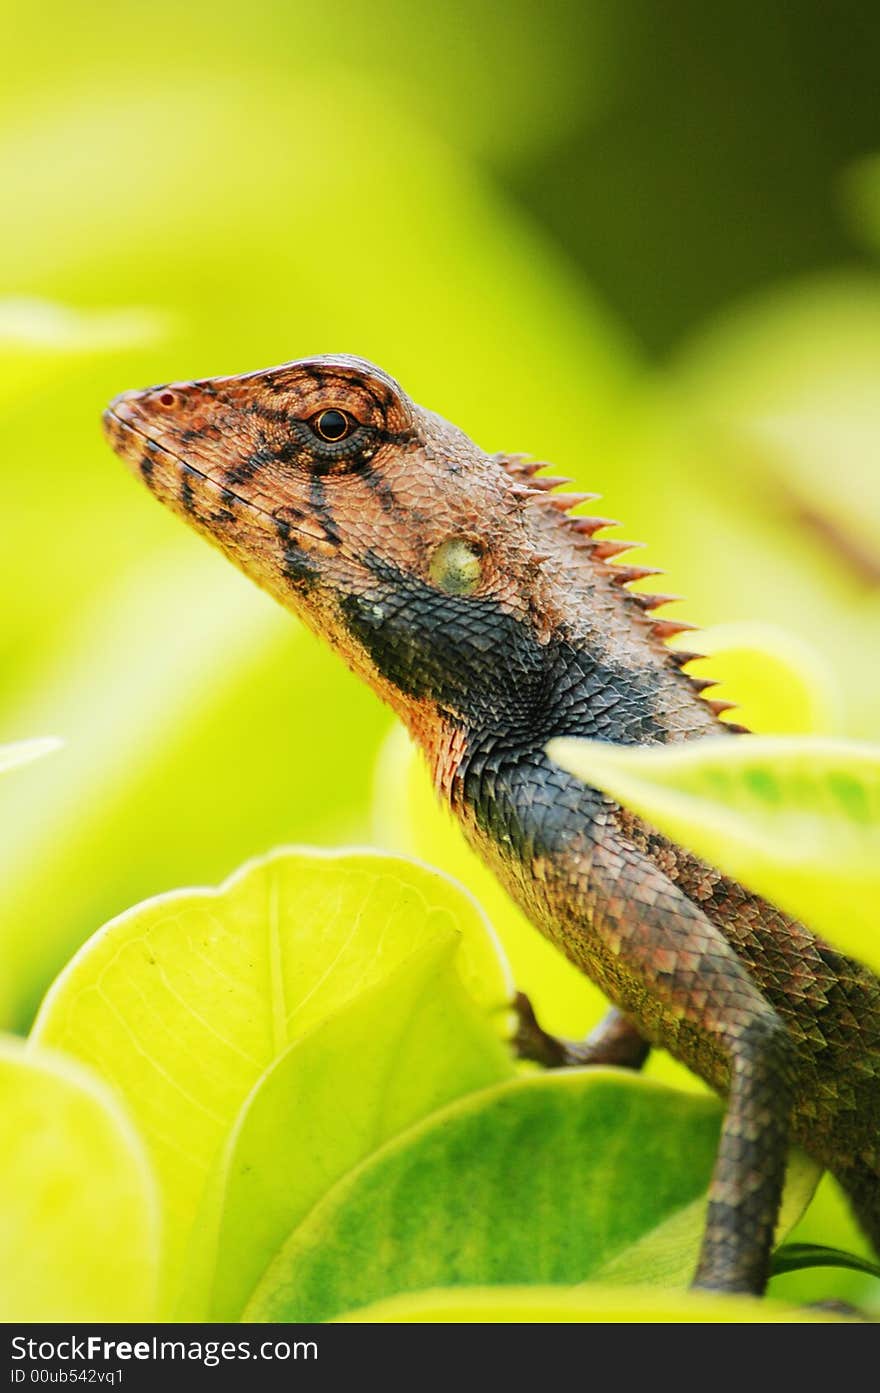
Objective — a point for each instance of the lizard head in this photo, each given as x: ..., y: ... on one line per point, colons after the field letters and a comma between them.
x: 382, y: 526
x: 447, y: 578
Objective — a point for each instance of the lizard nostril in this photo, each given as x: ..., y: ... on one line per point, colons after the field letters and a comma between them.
x: 167, y: 399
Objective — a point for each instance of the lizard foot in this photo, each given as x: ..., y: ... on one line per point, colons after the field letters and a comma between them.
x: 614, y: 1041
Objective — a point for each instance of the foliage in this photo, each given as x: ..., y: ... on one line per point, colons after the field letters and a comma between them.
x: 585, y: 1304
x: 796, y: 819
x: 194, y: 1005
x: 513, y: 216
x: 80, y: 1223
x: 313, y: 1058
x: 23, y: 751
x: 558, y: 1179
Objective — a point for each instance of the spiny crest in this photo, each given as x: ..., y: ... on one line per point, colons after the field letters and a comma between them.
x: 581, y: 531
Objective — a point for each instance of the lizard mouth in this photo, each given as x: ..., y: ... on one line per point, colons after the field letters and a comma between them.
x: 174, y: 479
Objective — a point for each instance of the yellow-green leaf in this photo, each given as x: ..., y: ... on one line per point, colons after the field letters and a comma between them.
x: 79, y: 1224
x: 551, y: 1178
x: 183, y: 1002
x: 797, y: 819
x: 46, y: 327
x: 411, y: 1044
x: 23, y: 751
x: 581, y: 1304
x: 779, y: 682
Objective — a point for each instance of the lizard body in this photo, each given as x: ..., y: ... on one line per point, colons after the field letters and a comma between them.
x: 459, y: 587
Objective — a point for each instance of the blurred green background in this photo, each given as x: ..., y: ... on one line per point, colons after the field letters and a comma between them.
x: 641, y: 241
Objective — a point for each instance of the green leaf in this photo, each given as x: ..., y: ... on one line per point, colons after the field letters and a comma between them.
x: 780, y: 683
x: 394, y: 1054
x: 79, y: 1227
x: 526, y: 1305
x: 828, y: 1222
x: 23, y: 751
x: 662, y: 1254
x: 796, y: 819
x: 795, y: 371
x: 792, y: 1257
x: 547, y: 1179
x: 44, y: 327
x: 183, y: 1002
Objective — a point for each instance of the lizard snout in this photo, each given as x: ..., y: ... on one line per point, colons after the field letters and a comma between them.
x: 140, y: 407
x: 118, y: 415
x: 171, y: 415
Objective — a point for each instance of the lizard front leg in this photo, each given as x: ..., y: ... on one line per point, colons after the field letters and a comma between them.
x: 615, y: 1040
x: 676, y: 974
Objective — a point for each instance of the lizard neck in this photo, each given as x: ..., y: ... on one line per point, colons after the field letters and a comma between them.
x: 529, y: 697
x: 490, y: 765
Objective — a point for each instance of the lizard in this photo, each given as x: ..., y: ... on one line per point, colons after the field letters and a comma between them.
x: 472, y: 595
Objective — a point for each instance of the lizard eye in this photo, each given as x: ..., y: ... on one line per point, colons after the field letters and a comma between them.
x: 457, y: 566
x: 332, y: 425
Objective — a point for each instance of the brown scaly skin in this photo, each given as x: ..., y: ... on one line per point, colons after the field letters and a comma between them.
x: 456, y: 585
